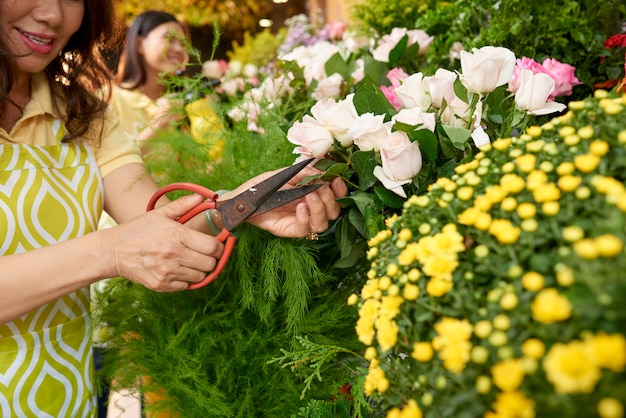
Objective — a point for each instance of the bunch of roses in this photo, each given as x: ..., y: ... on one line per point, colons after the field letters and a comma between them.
x: 454, y: 107
x: 501, y: 292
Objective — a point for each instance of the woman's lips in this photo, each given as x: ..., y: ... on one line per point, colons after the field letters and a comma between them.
x: 37, y: 43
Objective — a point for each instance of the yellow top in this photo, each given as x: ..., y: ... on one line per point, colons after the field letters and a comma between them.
x: 116, y: 148
x: 134, y: 109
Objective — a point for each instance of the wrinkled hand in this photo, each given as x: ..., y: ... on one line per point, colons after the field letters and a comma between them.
x: 163, y: 255
x: 310, y: 214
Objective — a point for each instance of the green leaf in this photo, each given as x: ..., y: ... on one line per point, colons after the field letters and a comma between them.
x: 368, y: 98
x: 336, y: 64
x: 429, y: 146
x: 458, y: 136
x: 357, y: 220
x: 364, y: 163
x: 374, y: 221
x: 396, y: 53
x: 362, y: 200
x: 388, y: 197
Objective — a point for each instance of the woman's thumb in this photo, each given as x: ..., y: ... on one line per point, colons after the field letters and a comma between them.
x: 181, y: 206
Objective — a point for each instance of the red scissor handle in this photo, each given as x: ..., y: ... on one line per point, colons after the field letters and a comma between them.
x: 224, y: 236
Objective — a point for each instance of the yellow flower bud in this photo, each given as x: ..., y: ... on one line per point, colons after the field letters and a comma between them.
x: 405, y: 234
x: 534, y: 131
x: 608, y: 245
x: 585, y: 248
x: 573, y: 233
x: 422, y: 351
x: 533, y: 348
x: 483, y: 384
x: 508, y: 301
x: 353, y: 299
x: 526, y: 210
x: 586, y: 132
x: 610, y: 408
x: 565, y: 276
x: 502, y: 322
x: 586, y: 163
x: 498, y: 338
x: 411, y: 292
x: 532, y: 281
x: 599, y: 148
x: 550, y: 208
x: 482, y: 329
x: 479, y: 354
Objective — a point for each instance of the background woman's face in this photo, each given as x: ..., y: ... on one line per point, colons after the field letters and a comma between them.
x: 37, y: 31
x: 162, y: 49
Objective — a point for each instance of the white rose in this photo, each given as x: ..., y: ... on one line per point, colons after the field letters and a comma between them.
x: 456, y: 113
x: 336, y: 117
x: 401, y: 161
x: 533, y: 93
x: 441, y: 87
x: 414, y: 117
x: 328, y: 87
x: 387, y: 43
x: 486, y: 68
x: 312, y: 139
x: 413, y: 92
x: 418, y: 36
x: 369, y: 131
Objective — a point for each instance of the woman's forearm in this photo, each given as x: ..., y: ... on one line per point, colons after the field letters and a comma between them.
x: 34, y: 278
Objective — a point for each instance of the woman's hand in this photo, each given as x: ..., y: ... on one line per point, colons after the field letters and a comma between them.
x: 310, y: 214
x: 158, y: 252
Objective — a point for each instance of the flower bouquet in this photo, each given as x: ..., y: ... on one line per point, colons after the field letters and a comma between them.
x: 501, y: 291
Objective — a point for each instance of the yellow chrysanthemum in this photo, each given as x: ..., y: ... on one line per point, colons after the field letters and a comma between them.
x: 375, y: 381
x: 438, y: 287
x: 609, y: 351
x: 508, y: 374
x: 533, y: 348
x: 422, y: 351
x: 586, y: 163
x: 610, y: 408
x: 526, y: 162
x: 533, y: 281
x: 440, y: 265
x: 513, y: 405
x: 386, y: 333
x: 411, y: 410
x: 550, y: 306
x: 570, y: 368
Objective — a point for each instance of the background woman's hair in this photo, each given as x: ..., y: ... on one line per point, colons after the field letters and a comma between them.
x: 131, y: 72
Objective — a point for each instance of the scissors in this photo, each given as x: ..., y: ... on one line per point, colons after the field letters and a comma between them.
x: 261, y: 198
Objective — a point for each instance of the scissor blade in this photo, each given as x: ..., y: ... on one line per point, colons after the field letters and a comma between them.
x: 236, y: 210
x: 282, y: 197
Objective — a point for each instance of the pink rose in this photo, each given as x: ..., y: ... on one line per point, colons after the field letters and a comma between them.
x: 401, y: 161
x: 396, y: 76
x: 524, y: 63
x: 313, y: 140
x: 390, y: 94
x: 563, y: 75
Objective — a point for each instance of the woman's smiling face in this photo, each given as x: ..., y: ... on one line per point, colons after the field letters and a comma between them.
x: 162, y: 48
x: 36, y: 31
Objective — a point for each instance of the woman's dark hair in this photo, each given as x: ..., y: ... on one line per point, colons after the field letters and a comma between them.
x: 79, y: 76
x: 131, y: 72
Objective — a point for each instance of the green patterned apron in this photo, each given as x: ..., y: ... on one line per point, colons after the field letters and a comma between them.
x: 48, y: 194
